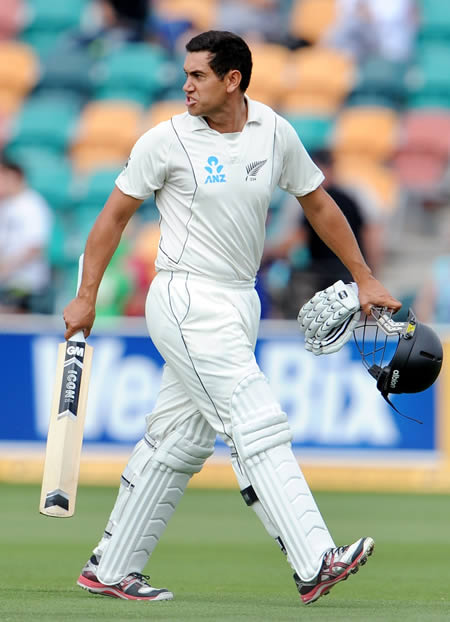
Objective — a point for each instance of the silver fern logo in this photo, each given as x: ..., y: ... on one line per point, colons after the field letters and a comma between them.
x: 253, y: 169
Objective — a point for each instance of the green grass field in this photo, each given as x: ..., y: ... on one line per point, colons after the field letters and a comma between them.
x: 222, y: 566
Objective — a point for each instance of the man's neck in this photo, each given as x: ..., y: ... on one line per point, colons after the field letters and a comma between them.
x: 230, y: 119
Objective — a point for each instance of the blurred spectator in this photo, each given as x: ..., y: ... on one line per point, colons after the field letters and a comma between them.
x: 25, y: 229
x: 106, y: 25
x: 313, y: 266
x: 252, y: 19
x: 117, y: 284
x: 432, y: 301
x: 375, y: 28
x: 116, y: 21
x: 142, y: 265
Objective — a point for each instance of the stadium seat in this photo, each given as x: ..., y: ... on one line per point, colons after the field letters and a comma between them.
x: 106, y: 133
x: 11, y: 18
x: 137, y: 72
x: 53, y: 179
x: 93, y: 189
x: 366, y: 132
x: 423, y: 150
x: 45, y: 123
x: 46, y: 22
x: 201, y: 13
x: 54, y: 16
x: 426, y: 131
x: 314, y: 131
x: 379, y: 82
x: 310, y: 19
x: 373, y: 177
x: 319, y: 77
x: 19, y: 72
x: 71, y: 71
x: 428, y: 83
x: 162, y: 111
x: 269, y: 80
x: 434, y: 20
x: 88, y: 158
x: 90, y: 194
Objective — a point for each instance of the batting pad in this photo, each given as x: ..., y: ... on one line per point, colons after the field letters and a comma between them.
x: 262, y: 437
x: 256, y: 506
x: 152, y: 483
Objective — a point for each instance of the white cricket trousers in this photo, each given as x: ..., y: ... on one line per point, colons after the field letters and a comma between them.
x: 206, y: 332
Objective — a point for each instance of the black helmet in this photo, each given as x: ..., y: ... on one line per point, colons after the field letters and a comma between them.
x: 416, y: 362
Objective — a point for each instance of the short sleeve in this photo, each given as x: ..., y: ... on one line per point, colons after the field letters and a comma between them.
x: 145, y: 170
x: 299, y: 174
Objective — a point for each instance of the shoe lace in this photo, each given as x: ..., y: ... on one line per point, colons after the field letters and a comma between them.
x: 142, y: 577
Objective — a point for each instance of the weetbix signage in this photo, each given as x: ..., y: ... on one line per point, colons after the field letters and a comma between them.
x: 331, y: 401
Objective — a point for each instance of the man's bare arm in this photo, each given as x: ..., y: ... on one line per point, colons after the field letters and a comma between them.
x: 330, y: 224
x: 100, y: 246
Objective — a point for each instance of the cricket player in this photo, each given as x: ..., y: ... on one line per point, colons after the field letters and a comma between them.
x: 213, y: 170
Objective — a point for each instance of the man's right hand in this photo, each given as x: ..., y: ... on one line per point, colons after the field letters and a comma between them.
x: 79, y: 315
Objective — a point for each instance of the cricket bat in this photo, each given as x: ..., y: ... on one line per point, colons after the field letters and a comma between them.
x: 65, y: 432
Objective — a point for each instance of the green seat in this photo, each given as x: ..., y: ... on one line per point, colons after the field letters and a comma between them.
x: 434, y: 19
x: 42, y: 42
x: 95, y: 188
x: 46, y: 123
x: 138, y: 71
x: 379, y: 82
x: 314, y: 132
x: 429, y: 79
x: 68, y: 70
x: 48, y: 21
x: 53, y: 179
x: 49, y: 15
x: 90, y: 194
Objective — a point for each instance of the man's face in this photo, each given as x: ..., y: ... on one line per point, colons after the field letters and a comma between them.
x: 205, y: 92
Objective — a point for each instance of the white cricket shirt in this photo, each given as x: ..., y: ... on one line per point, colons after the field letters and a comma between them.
x: 213, y: 190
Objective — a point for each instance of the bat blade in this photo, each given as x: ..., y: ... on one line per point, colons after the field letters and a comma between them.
x: 65, y: 432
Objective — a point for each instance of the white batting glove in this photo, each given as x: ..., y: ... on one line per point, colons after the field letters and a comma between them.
x: 330, y: 317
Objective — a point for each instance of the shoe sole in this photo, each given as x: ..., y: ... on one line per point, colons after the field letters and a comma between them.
x: 111, y: 590
x: 324, y: 588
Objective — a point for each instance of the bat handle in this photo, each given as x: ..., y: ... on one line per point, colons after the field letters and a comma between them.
x: 79, y: 336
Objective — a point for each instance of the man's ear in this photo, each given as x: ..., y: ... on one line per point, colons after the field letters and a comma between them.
x: 233, y: 79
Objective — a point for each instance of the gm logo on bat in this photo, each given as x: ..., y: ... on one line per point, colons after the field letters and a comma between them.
x: 75, y: 351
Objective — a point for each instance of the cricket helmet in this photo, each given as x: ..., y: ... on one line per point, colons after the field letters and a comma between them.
x: 417, y: 359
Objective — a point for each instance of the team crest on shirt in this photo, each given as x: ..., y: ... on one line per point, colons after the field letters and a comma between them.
x: 215, y: 176
x: 253, y: 169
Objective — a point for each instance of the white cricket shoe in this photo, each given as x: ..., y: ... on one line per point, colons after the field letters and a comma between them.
x: 338, y: 564
x: 134, y: 586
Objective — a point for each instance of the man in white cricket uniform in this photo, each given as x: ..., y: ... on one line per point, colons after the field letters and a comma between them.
x: 213, y: 170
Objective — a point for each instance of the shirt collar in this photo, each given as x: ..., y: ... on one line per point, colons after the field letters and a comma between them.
x: 254, y: 116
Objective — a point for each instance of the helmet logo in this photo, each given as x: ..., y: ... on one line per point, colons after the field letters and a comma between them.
x: 395, y: 378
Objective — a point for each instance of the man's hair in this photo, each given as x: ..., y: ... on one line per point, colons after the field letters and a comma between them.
x: 228, y: 52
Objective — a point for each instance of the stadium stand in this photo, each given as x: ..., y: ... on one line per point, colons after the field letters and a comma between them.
x: 138, y: 72
x: 367, y: 132
x: 319, y: 79
x: 106, y: 132
x: 310, y: 19
x: 70, y: 112
x: 19, y: 73
x: 201, y: 13
x: 269, y: 80
x: 11, y: 18
x: 46, y: 22
x: 162, y: 111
